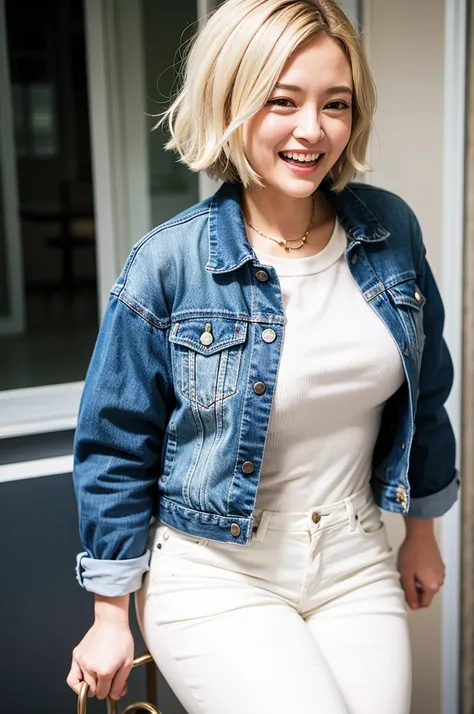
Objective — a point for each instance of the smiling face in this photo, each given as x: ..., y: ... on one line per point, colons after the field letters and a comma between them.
x: 301, y: 132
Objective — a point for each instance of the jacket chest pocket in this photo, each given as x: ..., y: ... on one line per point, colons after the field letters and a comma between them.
x: 206, y: 358
x: 409, y: 301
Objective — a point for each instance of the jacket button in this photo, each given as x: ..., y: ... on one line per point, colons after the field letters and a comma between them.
x: 235, y: 530
x: 402, y: 495
x: 248, y: 467
x: 354, y: 259
x: 206, y: 338
x: 269, y: 335
x: 261, y: 275
x: 259, y: 388
x: 403, y: 447
x: 418, y: 297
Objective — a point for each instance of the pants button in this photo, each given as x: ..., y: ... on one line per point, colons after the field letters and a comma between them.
x: 316, y: 517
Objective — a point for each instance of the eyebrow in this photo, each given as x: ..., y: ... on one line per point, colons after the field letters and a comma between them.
x: 331, y: 90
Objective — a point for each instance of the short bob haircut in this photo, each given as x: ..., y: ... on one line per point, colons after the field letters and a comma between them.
x: 230, y: 72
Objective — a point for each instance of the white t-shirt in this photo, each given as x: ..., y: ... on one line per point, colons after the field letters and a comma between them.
x: 338, y: 367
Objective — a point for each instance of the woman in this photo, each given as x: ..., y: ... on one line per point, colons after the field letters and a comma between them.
x: 262, y: 366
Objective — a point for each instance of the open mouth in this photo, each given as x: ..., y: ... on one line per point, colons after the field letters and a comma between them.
x: 301, y: 160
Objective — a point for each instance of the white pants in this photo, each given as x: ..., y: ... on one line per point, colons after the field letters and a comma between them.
x: 308, y: 619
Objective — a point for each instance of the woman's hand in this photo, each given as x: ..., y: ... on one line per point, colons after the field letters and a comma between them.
x: 420, y: 564
x: 104, y: 656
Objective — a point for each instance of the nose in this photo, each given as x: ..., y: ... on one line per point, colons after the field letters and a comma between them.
x: 308, y: 127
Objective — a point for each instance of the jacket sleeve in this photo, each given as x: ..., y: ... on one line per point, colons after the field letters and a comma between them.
x: 117, y: 450
x: 433, y: 477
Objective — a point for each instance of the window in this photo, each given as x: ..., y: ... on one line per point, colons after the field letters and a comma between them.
x: 35, y: 120
x: 55, y: 233
x: 62, y: 256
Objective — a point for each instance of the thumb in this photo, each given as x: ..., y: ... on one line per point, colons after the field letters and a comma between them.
x: 75, y: 677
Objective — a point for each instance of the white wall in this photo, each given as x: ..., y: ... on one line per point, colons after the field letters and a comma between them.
x: 352, y: 8
x: 405, y: 42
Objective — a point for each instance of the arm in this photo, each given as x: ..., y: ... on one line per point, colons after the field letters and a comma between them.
x: 117, y: 451
x: 433, y: 477
x: 122, y: 419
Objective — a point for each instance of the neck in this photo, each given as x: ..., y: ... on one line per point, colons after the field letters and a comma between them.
x: 276, y: 214
x: 279, y: 215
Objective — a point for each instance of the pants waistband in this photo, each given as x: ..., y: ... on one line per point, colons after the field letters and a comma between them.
x: 315, y: 518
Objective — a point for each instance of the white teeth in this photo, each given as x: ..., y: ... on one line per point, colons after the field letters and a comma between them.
x: 303, y: 158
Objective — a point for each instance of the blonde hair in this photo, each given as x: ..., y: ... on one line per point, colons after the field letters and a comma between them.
x: 231, y: 69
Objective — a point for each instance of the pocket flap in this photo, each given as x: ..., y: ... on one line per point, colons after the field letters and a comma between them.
x: 208, y: 336
x: 408, y: 294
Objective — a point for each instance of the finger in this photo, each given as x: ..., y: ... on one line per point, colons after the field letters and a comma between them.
x: 91, y: 680
x: 120, y: 682
x: 411, y: 593
x: 124, y: 691
x: 103, y: 686
x: 426, y: 598
x: 75, y: 678
x: 427, y: 594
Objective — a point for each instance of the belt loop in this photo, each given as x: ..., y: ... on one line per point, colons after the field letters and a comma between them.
x: 350, y: 511
x: 263, y: 525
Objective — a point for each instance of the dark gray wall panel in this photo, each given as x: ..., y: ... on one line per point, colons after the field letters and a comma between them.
x: 44, y: 612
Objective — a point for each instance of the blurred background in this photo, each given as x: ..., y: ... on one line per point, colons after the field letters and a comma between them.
x: 82, y: 178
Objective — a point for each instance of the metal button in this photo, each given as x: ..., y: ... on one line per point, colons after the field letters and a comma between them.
x: 418, y: 297
x: 261, y: 275
x: 316, y: 517
x: 248, y: 467
x: 354, y: 259
x: 259, y: 388
x: 235, y: 530
x: 206, y: 338
x: 269, y: 335
x: 403, y: 447
x: 402, y: 495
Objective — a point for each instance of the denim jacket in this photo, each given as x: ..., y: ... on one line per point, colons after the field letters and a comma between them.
x: 170, y: 424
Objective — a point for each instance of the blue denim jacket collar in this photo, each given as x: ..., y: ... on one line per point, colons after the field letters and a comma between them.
x: 225, y: 219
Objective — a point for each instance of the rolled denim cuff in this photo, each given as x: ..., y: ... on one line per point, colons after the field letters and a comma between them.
x: 436, y: 504
x: 111, y: 578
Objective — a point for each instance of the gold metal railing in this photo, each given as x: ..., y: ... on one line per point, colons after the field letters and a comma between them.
x: 149, y: 706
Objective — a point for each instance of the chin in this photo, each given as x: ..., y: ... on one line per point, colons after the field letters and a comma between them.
x: 299, y: 188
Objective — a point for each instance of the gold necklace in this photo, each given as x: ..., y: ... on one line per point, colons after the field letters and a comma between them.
x: 283, y: 242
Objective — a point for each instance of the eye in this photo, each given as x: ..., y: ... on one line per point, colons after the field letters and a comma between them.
x: 337, y: 105
x: 281, y: 102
